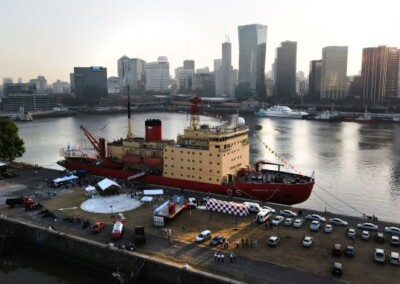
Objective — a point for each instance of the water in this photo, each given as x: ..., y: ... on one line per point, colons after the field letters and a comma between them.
x: 357, y: 166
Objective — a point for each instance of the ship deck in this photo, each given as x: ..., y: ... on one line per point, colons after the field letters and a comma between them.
x: 270, y: 176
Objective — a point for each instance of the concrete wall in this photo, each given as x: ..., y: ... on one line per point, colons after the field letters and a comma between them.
x: 100, y: 257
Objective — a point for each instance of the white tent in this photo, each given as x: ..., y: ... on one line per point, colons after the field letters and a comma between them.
x: 106, y: 183
x: 146, y: 199
x: 66, y: 178
x: 153, y: 191
x: 90, y: 188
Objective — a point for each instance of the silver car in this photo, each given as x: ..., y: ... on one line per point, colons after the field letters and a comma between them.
x: 338, y: 222
x: 392, y: 230
x: 368, y: 226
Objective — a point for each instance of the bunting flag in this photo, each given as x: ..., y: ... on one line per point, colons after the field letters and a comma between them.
x: 282, y: 159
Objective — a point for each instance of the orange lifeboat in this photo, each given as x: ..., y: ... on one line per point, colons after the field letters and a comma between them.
x: 153, y: 161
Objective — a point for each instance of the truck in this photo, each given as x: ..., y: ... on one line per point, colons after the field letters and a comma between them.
x: 23, y: 200
x: 140, y: 237
x: 118, y: 229
x: 169, y: 209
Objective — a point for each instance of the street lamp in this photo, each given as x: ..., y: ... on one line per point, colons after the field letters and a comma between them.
x: 112, y: 214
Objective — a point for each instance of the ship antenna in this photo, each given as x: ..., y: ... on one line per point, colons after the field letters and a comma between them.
x: 129, y: 135
x: 195, y: 112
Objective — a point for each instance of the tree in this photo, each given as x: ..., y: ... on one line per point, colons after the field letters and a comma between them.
x: 11, y: 146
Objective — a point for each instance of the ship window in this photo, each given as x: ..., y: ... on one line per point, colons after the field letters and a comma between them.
x: 181, y: 167
x: 193, y: 161
x: 172, y: 174
x: 200, y: 161
x: 200, y: 154
x: 201, y: 169
x: 217, y: 172
x: 210, y: 155
x: 188, y: 168
x: 172, y: 151
x: 172, y: 158
x: 193, y: 169
x: 165, y: 173
x: 218, y: 164
x: 166, y: 158
x: 188, y: 176
x: 188, y: 160
x: 209, y: 179
x: 210, y: 163
x: 210, y: 171
x: 192, y: 176
x: 166, y: 165
x: 172, y: 166
x: 181, y: 175
x: 217, y: 155
x: 181, y: 152
x: 181, y: 160
x: 217, y: 179
x: 217, y: 146
x: 192, y: 153
x: 199, y: 177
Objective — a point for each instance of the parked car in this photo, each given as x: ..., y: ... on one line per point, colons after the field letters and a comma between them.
x: 338, y: 222
x: 307, y: 241
x: 349, y: 251
x: 252, y: 207
x: 277, y: 220
x: 379, y: 255
x: 368, y: 226
x: 206, y: 234
x: 395, y: 241
x: 351, y: 233
x: 328, y: 228
x: 392, y: 230
x: 314, y: 226
x: 380, y: 237
x: 365, y: 235
x: 298, y: 223
x: 394, y: 258
x: 217, y: 240
x: 337, y: 268
x: 315, y: 217
x: 288, y: 222
x: 288, y: 213
x: 337, y: 250
x: 97, y: 227
x: 273, y: 241
x: 272, y: 210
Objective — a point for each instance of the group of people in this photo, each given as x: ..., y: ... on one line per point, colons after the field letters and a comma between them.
x: 246, y: 243
x: 220, y: 257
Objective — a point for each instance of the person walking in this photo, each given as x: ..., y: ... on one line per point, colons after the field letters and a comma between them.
x: 215, y: 256
x: 237, y: 244
x: 231, y: 257
x: 222, y: 258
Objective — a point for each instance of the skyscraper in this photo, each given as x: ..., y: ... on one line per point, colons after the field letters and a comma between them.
x: 286, y: 58
x: 224, y: 76
x: 189, y: 64
x: 314, y: 78
x: 157, y: 75
x: 334, y: 72
x: 89, y: 83
x: 252, y: 50
x: 380, y: 73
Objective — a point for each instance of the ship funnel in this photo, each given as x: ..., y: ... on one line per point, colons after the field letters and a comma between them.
x: 153, y: 130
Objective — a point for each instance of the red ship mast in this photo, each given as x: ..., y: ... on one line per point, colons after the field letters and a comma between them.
x: 195, y: 112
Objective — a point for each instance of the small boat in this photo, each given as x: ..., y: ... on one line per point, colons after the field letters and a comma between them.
x: 329, y: 115
x: 281, y: 111
x: 396, y: 119
x: 22, y: 115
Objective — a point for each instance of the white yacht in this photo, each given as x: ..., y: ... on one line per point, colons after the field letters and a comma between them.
x: 281, y: 111
x: 329, y: 115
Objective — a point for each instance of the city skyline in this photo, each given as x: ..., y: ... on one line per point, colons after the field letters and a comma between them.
x: 50, y: 38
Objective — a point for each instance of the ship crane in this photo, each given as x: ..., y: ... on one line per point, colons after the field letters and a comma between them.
x: 195, y: 112
x: 98, y: 145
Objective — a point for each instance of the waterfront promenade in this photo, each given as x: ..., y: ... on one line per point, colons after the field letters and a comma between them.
x: 287, y: 263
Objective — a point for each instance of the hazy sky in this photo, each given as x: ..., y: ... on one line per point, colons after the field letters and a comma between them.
x: 50, y: 37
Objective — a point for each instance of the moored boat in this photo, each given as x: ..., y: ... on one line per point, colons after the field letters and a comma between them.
x: 281, y: 111
x: 206, y: 159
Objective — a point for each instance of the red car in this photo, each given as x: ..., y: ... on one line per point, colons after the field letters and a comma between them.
x: 97, y: 227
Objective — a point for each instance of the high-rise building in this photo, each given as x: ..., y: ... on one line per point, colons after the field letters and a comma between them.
x: 131, y: 72
x: 41, y: 84
x: 7, y: 80
x: 61, y: 87
x: 113, y: 85
x: 89, y: 84
x: 314, y: 78
x: 217, y: 64
x: 334, y: 72
x: 157, y: 75
x: 252, y: 51
x: 189, y: 64
x: 224, y: 76
x: 184, y: 79
x: 121, y: 70
x: 380, y: 73
x: 286, y: 58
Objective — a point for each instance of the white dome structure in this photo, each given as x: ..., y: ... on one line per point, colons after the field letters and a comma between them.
x: 241, y: 121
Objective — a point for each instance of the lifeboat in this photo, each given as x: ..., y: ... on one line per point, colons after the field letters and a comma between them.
x: 153, y: 161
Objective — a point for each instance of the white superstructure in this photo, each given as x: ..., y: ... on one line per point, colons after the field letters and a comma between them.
x: 281, y: 111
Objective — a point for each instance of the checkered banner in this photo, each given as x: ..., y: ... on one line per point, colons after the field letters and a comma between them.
x: 232, y: 208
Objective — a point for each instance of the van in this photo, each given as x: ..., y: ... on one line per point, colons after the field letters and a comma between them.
x: 394, y: 258
x: 263, y: 216
x: 253, y: 207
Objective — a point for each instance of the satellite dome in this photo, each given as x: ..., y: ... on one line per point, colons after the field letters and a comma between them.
x: 241, y: 121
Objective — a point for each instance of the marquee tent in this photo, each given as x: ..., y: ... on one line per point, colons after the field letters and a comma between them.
x: 66, y: 178
x: 106, y: 183
x: 153, y: 191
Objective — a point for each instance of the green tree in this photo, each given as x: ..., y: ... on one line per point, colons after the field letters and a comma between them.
x: 11, y: 146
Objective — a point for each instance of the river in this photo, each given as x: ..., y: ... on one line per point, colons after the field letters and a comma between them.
x: 356, y: 166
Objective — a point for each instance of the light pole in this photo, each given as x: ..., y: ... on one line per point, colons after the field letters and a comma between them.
x: 112, y: 214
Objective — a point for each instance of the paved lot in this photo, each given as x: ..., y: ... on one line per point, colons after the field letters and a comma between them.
x: 287, y: 263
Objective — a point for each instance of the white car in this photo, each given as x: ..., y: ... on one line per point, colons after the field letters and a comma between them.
x: 288, y: 222
x: 368, y: 226
x: 395, y: 241
x: 338, y: 222
x: 277, y: 220
x: 203, y: 236
x: 273, y: 241
x: 392, y: 230
x: 365, y: 235
x: 314, y: 226
x: 379, y: 255
x: 307, y: 241
x: 298, y: 223
x: 351, y: 233
x: 288, y: 213
x: 272, y: 210
x: 315, y: 217
x: 328, y: 228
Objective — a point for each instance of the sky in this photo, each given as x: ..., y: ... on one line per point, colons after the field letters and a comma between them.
x: 51, y: 37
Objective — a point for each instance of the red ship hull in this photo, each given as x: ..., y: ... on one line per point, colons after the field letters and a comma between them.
x: 284, y: 193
